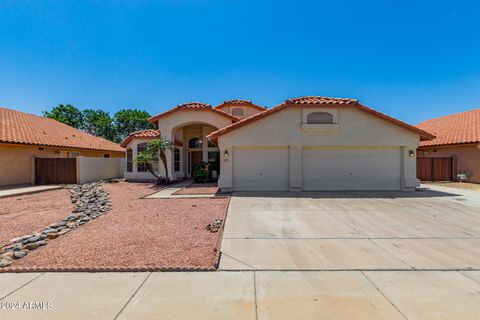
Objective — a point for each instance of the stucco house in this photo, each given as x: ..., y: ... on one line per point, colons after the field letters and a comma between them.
x: 25, y: 137
x: 455, y: 149
x: 307, y: 143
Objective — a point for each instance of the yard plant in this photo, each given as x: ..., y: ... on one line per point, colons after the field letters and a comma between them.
x: 155, y: 149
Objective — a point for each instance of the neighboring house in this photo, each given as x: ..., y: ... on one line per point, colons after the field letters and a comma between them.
x: 25, y: 137
x: 455, y: 150
x: 307, y: 143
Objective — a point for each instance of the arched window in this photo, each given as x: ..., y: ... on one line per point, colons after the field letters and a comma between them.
x: 194, y: 143
x: 319, y: 118
x: 238, y: 112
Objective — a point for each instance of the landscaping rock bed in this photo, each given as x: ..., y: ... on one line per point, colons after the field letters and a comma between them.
x: 90, y: 201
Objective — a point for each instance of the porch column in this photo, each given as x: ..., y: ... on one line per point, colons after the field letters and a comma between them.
x: 295, y: 171
x: 204, y: 145
x: 408, y: 168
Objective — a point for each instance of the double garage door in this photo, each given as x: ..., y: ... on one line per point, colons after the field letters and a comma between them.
x: 267, y: 169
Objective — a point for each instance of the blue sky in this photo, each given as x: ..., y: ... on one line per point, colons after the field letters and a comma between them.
x: 411, y: 59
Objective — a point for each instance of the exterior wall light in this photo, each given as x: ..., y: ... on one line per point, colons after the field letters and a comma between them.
x: 411, y: 153
x: 225, y: 154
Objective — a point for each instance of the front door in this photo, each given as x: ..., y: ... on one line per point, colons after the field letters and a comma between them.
x: 195, y: 157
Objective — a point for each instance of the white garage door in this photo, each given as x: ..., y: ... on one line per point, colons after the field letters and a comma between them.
x: 351, y: 169
x: 263, y: 169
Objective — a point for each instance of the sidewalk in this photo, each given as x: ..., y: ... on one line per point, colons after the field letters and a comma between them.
x: 242, y: 295
x: 18, y: 191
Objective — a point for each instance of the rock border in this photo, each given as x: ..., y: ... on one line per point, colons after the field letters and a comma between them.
x: 90, y: 201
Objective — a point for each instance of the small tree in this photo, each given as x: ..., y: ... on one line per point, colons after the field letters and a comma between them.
x: 156, y: 148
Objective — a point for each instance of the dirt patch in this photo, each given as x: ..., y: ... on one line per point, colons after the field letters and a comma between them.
x: 460, y: 185
x: 199, y: 188
x: 137, y: 233
x: 20, y: 215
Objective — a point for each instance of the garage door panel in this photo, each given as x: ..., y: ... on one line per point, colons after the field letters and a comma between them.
x: 260, y: 169
x: 351, y: 169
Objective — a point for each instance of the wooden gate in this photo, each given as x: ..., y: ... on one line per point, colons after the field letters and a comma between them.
x: 435, y: 168
x: 55, y: 170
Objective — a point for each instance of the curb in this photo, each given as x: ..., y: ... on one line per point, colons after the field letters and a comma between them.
x: 106, y: 269
x: 218, y: 240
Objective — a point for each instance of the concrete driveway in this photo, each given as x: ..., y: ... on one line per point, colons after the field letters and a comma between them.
x: 432, y: 229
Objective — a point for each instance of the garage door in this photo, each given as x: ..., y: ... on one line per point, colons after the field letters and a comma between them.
x: 351, y: 169
x: 263, y: 169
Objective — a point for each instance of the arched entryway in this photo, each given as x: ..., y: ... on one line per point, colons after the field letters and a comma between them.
x: 193, y: 147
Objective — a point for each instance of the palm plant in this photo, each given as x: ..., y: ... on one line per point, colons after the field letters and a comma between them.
x: 156, y: 148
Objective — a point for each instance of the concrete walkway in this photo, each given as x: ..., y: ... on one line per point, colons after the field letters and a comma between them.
x: 18, y: 191
x: 258, y: 295
x: 168, y: 193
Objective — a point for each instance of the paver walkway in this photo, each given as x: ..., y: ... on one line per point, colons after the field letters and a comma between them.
x: 17, y: 191
x: 255, y: 295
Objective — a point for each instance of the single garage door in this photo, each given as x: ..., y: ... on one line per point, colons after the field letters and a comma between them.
x: 264, y: 169
x: 351, y: 169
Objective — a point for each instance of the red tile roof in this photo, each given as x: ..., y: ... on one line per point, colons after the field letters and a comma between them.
x: 459, y: 128
x: 144, y: 134
x: 23, y: 128
x: 239, y: 102
x: 192, y: 106
x: 321, y: 100
x: 316, y: 101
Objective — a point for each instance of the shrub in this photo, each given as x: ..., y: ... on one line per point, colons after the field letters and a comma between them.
x: 201, y: 172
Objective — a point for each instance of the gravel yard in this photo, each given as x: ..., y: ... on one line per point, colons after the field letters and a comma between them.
x: 199, y: 188
x: 136, y: 234
x: 24, y: 214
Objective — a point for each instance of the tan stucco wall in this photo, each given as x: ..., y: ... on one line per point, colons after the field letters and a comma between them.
x: 467, y: 158
x: 353, y: 128
x: 16, y: 160
x: 249, y: 110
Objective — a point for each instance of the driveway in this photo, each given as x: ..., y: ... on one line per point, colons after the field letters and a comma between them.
x: 433, y: 229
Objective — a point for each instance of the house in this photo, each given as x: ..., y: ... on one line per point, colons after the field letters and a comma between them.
x: 307, y: 143
x: 25, y: 137
x: 454, y: 151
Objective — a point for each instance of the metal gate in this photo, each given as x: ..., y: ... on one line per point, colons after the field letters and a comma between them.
x: 435, y: 168
x: 55, y: 170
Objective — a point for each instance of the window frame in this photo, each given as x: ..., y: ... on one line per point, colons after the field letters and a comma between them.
x: 141, y: 167
x: 319, y: 121
x: 176, y: 160
x: 238, y: 115
x: 129, y: 160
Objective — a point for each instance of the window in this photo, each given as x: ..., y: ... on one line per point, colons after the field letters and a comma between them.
x: 238, y: 112
x: 129, y: 160
x: 320, y: 118
x: 74, y: 154
x: 212, y: 155
x: 106, y: 155
x: 141, y: 147
x: 214, y: 160
x: 194, y: 143
x: 176, y: 160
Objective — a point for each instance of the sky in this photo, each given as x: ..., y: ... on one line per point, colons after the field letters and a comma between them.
x: 413, y: 60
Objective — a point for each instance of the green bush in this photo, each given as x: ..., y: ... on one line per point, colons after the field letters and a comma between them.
x: 201, y: 172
